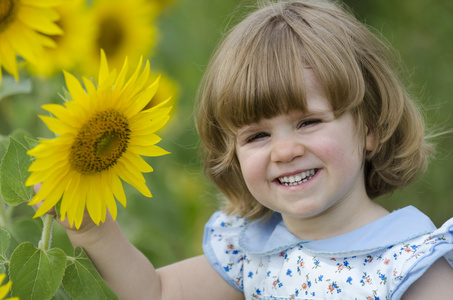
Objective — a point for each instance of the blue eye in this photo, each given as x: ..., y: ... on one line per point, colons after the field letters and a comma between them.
x: 257, y: 137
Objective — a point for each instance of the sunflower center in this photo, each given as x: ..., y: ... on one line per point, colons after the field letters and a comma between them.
x: 111, y: 35
x: 8, y: 10
x: 100, y: 142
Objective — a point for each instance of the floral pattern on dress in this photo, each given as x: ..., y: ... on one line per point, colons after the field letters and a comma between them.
x: 298, y: 273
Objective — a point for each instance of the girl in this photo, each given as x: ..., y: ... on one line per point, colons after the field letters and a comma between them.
x: 303, y: 122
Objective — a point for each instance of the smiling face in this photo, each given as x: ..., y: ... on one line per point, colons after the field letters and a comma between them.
x: 304, y: 165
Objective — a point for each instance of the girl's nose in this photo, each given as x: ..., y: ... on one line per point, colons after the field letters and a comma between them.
x: 286, y: 150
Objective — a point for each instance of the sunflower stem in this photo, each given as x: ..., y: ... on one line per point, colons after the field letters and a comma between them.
x: 46, y: 238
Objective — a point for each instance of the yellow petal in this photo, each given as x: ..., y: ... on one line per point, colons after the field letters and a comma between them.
x: 78, y: 211
x: 91, y: 89
x: 42, y: 164
x: 147, y: 151
x: 118, y: 190
x: 56, y: 125
x: 135, y: 179
x: 136, y: 160
x: 94, y: 197
x: 43, y: 3
x: 4, y: 290
x: 63, y: 114
x: 144, y: 140
x: 108, y: 196
x: 40, y: 19
x: 141, y: 101
x: 74, y: 87
x: 121, y: 78
x: 8, y: 58
x: 52, y: 191
x: 103, y: 69
x: 71, y: 194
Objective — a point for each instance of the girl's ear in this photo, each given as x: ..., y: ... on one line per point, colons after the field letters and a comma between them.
x: 370, y: 140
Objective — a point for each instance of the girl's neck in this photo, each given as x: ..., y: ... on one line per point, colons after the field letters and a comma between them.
x: 336, y: 220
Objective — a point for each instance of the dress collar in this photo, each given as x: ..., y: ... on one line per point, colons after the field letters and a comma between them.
x: 270, y: 235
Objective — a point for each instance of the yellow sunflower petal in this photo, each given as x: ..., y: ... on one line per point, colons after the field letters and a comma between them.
x: 77, y: 212
x: 94, y: 198
x: 60, y: 112
x: 121, y: 78
x: 146, y: 120
x: 148, y: 151
x: 103, y: 69
x: 4, y: 289
x: 40, y: 19
x: 118, y: 190
x: 56, y: 181
x: 89, y: 86
x: 56, y: 125
x: 142, y: 100
x: 48, y: 147
x: 43, y: 3
x: 71, y: 194
x: 74, y: 87
x: 8, y: 58
x: 109, y: 200
x: 133, y: 178
x: 139, y: 162
x: 50, y: 162
x: 51, y: 198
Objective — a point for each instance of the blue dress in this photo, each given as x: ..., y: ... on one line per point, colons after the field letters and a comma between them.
x: 380, y: 260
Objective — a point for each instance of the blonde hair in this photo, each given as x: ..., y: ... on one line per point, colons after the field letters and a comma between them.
x: 257, y: 72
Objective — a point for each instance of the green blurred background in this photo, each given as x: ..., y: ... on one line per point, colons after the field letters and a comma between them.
x: 169, y: 226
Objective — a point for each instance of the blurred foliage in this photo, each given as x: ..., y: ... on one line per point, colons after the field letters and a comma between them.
x: 169, y: 226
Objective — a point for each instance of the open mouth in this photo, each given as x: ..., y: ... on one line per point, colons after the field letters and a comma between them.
x: 298, y: 178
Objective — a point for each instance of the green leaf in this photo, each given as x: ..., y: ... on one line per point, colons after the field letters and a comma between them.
x: 36, y: 274
x: 14, y: 173
x: 82, y: 280
x: 22, y: 136
x: 4, y: 143
x: 61, y: 295
x: 10, y: 87
x: 5, y: 237
x: 32, y: 143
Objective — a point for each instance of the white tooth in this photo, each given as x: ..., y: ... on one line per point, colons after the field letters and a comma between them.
x: 285, y: 179
x: 298, y: 178
x: 312, y: 172
x: 291, y: 179
x: 304, y: 174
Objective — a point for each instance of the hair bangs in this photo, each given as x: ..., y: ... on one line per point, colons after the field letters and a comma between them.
x: 265, y: 79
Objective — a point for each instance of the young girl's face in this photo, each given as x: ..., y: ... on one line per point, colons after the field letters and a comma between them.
x: 304, y: 164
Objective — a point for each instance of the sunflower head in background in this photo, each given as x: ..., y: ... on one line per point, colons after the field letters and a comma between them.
x: 102, y: 132
x: 24, y: 26
x: 121, y: 28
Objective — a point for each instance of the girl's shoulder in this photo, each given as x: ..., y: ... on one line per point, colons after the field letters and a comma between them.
x: 221, y: 246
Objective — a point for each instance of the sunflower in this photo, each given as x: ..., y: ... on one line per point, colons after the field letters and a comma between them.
x: 122, y: 28
x: 101, y: 135
x: 4, y: 289
x: 23, y: 26
x: 73, y: 46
